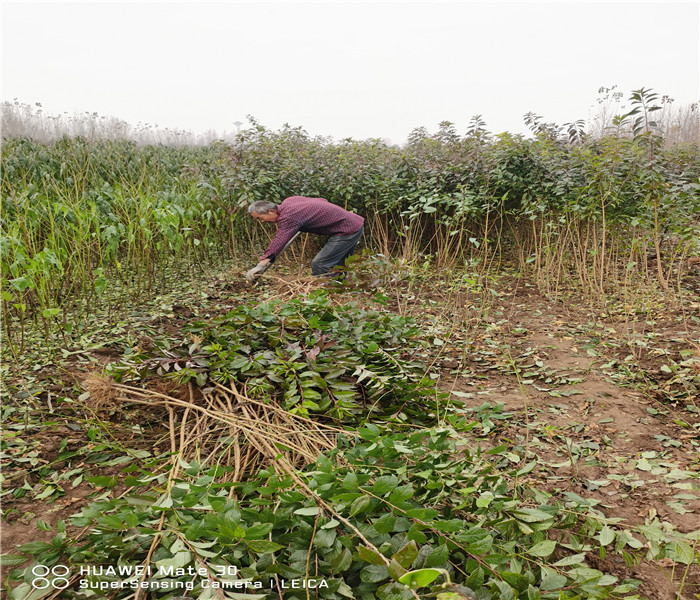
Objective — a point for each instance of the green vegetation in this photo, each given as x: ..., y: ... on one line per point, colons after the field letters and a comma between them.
x: 80, y: 216
x: 360, y: 435
x: 401, y: 502
x: 307, y: 349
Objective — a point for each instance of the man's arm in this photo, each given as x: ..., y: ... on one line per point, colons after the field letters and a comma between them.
x: 284, y: 234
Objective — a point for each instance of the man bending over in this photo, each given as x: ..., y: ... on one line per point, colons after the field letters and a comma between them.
x: 310, y: 215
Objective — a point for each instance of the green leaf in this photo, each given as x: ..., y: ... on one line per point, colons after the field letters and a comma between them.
x: 331, y: 524
x: 308, y: 511
x: 21, y: 283
x: 103, y: 481
x: 515, y: 580
x: 478, y: 543
x: 371, y: 556
x: 438, y: 556
x: 385, y: 523
x: 606, y: 536
x: 384, y: 485
x: 24, y: 592
x: 111, y: 522
x: 407, y: 554
x: 49, y: 491
x: 422, y: 514
x: 43, y: 525
x: 484, y: 499
x: 506, y: 592
x: 682, y: 552
x: 258, y: 531
x: 350, y: 481
x: 422, y: 577
x: 393, y: 591
x: 342, y: 562
x: 395, y: 569
x: 644, y: 465
x: 415, y: 534
x: 533, y: 593
x: 178, y: 560
x: 323, y: 463
x: 542, y: 549
x: 476, y: 579
x: 552, y: 580
x: 401, y: 494
x: 360, y: 504
x: 12, y: 559
x: 324, y: 538
x: 263, y: 546
x: 374, y: 573
x: 34, y: 548
x: 531, y: 515
x: 574, y: 559
x: 369, y: 433
x: 527, y: 468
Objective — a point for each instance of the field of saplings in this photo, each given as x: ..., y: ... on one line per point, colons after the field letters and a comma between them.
x: 497, y: 399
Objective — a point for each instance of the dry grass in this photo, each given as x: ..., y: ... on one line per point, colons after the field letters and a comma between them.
x: 221, y: 426
x: 295, y: 287
x: 102, y: 393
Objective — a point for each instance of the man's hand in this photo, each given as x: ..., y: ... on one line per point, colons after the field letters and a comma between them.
x: 256, y: 271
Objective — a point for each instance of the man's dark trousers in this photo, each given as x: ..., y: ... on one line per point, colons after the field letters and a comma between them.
x: 336, y: 250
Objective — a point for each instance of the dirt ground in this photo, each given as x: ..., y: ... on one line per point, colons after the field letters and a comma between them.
x: 633, y: 449
x: 549, y: 375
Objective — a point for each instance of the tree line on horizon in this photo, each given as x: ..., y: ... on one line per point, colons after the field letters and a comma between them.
x: 676, y: 124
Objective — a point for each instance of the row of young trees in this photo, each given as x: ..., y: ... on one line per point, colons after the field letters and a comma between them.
x: 81, y: 216
x: 562, y: 201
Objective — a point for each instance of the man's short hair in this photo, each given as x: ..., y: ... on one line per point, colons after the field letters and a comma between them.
x: 261, y: 207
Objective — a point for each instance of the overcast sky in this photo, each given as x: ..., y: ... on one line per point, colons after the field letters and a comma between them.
x: 344, y: 69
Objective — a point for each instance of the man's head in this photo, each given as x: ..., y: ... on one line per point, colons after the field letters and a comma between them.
x: 263, y: 211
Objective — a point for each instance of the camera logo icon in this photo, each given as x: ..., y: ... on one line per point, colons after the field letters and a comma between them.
x: 54, y: 577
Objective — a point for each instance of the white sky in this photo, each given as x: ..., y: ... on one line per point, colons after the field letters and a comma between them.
x: 344, y: 69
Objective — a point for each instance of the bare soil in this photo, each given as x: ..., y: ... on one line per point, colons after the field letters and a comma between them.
x: 608, y: 425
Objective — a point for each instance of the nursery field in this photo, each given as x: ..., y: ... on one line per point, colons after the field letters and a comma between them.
x: 497, y: 400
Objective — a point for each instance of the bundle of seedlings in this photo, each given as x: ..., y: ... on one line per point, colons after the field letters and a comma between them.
x: 338, y: 364
x: 219, y: 425
x: 274, y: 383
